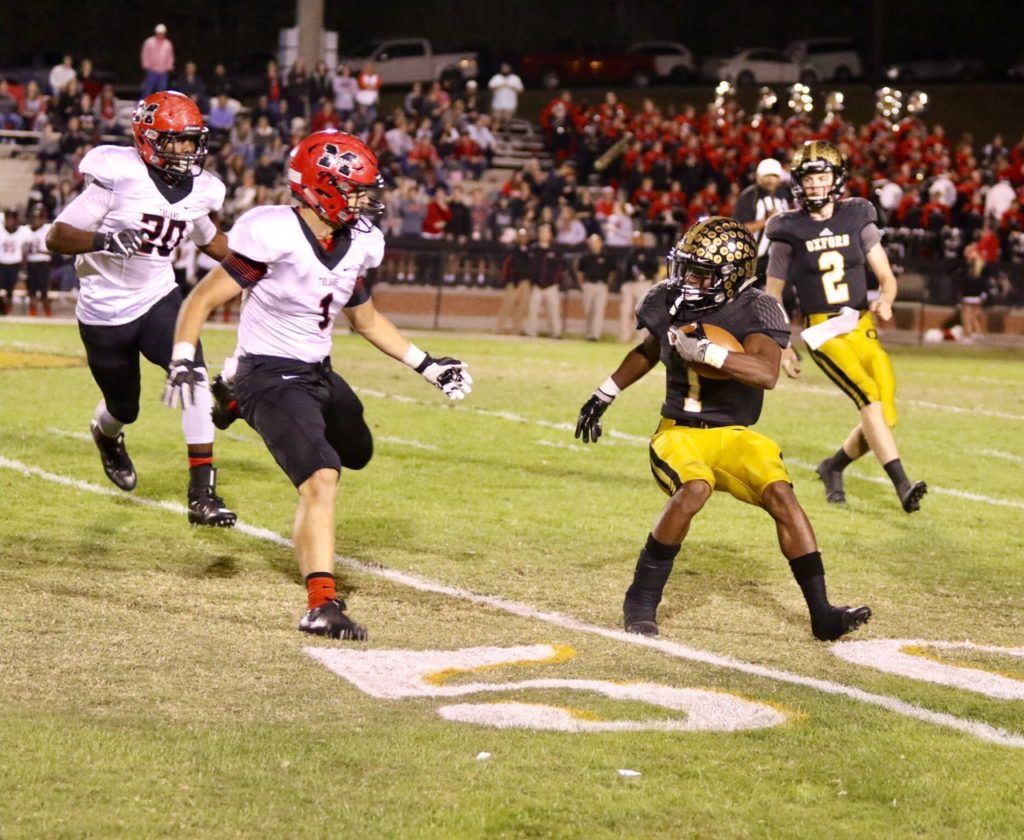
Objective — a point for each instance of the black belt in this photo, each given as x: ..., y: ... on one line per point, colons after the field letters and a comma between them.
x: 694, y: 423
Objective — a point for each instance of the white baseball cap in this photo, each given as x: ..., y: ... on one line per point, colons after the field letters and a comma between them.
x: 160, y: 29
x: 769, y: 166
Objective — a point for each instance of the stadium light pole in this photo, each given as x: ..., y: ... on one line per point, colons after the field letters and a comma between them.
x: 309, y: 18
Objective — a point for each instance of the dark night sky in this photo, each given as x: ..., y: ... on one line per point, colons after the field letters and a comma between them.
x: 211, y: 30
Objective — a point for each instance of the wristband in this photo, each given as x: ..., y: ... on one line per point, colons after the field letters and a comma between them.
x: 99, y: 242
x: 414, y: 357
x: 609, y: 388
x: 715, y: 355
x: 183, y: 350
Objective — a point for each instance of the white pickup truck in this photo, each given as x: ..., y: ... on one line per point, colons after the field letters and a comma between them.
x: 402, y: 61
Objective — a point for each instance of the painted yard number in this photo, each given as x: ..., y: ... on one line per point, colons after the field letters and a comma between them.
x: 400, y: 674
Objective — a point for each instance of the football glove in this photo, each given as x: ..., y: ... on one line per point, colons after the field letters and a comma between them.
x: 588, y: 426
x: 447, y: 375
x: 182, y: 378
x: 123, y: 243
x: 693, y: 346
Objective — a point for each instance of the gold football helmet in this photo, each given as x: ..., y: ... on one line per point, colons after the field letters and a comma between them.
x: 710, y: 264
x: 817, y: 156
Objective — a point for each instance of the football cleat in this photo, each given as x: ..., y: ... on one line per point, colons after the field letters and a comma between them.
x: 205, y: 507
x: 639, y: 612
x: 910, y: 497
x: 833, y: 480
x: 839, y: 621
x: 116, y: 463
x: 225, y: 408
x: 329, y: 619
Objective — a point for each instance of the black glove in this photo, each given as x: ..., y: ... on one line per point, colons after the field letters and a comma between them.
x: 123, y: 243
x: 588, y: 426
x: 182, y: 378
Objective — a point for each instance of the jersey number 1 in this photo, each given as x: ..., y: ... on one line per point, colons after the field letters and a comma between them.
x: 832, y: 266
x: 325, y: 311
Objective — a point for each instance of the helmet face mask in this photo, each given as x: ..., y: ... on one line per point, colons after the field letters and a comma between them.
x: 817, y: 158
x: 709, y: 266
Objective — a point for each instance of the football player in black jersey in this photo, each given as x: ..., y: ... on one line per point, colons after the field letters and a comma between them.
x: 823, y: 248
x: 703, y: 442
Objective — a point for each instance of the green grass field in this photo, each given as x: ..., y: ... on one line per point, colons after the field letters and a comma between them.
x: 152, y: 682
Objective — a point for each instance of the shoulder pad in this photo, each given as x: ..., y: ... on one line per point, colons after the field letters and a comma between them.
x: 776, y: 228
x: 262, y: 233
x: 103, y: 164
x: 213, y: 189
x: 373, y: 243
x: 863, y: 209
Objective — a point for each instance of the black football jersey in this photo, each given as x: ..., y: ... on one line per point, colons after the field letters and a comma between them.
x: 828, y: 263
x: 716, y: 402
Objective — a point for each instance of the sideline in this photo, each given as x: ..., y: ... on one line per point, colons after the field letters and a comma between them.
x: 977, y: 729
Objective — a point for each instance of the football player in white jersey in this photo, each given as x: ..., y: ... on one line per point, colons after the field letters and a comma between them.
x: 39, y: 261
x: 302, y: 266
x: 140, y: 203
x: 12, y: 258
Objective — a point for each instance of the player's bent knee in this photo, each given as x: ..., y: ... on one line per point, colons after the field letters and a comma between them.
x: 320, y: 486
x: 779, y: 499
x: 691, y: 496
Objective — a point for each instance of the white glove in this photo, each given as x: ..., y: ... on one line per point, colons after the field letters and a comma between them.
x: 448, y: 375
x: 694, y: 346
x: 182, y: 378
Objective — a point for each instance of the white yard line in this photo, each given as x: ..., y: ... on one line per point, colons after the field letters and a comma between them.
x: 1005, y: 456
x: 933, y: 406
x: 73, y: 435
x: 554, y: 444
x: 977, y: 729
x: 415, y: 444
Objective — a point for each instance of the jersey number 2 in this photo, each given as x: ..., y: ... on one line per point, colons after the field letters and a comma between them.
x: 163, y: 235
x: 832, y: 266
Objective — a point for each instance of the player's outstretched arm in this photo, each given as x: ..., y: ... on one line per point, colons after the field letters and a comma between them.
x: 887, y: 287
x: 637, y: 363
x: 74, y: 231
x: 216, y: 289
x: 448, y: 375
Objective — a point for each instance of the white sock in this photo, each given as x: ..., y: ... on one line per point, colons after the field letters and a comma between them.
x: 196, y: 422
x: 227, y: 371
x: 108, y: 424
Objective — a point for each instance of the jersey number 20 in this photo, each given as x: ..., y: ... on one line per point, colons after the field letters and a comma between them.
x: 162, y: 235
x: 833, y: 268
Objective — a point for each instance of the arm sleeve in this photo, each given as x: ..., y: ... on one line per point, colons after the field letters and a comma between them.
x: 870, y: 236
x: 245, y: 272
x: 203, y: 231
x: 89, y: 209
x: 780, y: 255
x: 360, y: 294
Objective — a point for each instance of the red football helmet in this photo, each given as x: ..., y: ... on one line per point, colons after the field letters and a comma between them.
x: 336, y: 175
x: 162, y: 118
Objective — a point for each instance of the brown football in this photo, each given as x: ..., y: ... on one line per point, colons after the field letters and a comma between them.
x: 723, y: 338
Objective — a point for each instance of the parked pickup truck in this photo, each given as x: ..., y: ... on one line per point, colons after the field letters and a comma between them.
x: 402, y: 61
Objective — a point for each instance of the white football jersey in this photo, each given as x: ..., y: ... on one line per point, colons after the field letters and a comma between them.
x: 124, y: 194
x: 290, y: 310
x: 35, y: 243
x: 12, y: 245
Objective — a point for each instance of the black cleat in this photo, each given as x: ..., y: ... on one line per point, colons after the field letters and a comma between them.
x: 839, y: 621
x: 329, y: 619
x: 639, y: 612
x: 910, y: 496
x: 205, y: 507
x: 833, y: 480
x: 116, y: 463
x: 225, y: 408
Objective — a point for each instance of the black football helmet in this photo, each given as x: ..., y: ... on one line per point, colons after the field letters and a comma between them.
x: 709, y: 265
x: 817, y: 156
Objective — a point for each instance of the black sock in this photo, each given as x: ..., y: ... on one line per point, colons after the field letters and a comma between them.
x: 200, y: 475
x: 895, y: 470
x: 653, y: 567
x: 810, y: 575
x: 840, y: 461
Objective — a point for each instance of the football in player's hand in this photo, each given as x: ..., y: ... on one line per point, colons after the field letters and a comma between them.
x: 716, y: 335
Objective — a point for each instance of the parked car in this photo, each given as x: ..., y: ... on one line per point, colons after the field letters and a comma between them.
x: 936, y: 67
x: 586, y: 66
x: 835, y: 59
x: 672, y: 60
x: 402, y: 61
x: 758, y: 66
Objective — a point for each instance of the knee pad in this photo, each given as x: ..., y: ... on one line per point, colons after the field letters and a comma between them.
x: 124, y: 412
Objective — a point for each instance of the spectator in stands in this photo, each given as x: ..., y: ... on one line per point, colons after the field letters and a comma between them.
x: 368, y: 94
x: 516, y: 285
x: 458, y: 232
x: 272, y: 91
x: 105, y: 111
x: 618, y: 227
x: 344, y: 88
x: 192, y: 85
x: 569, y: 229
x: 72, y: 140
x: 61, y: 74
x: 321, y: 84
x: 326, y: 118
x: 505, y: 87
x: 48, y: 148
x: 222, y: 118
x: 595, y: 274
x: 399, y: 140
x: 87, y: 78
x: 220, y: 83
x: 640, y: 271
x: 974, y: 291
x: 157, y: 61
x: 34, y: 106
x: 435, y: 223
x: 415, y: 104
x: 501, y: 221
x: 546, y: 268
x: 68, y: 104
x: 296, y: 90
x: 9, y: 116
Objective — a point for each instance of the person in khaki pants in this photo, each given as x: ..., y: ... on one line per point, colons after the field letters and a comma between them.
x: 546, y: 277
x: 515, y: 276
x: 642, y: 270
x: 595, y: 272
